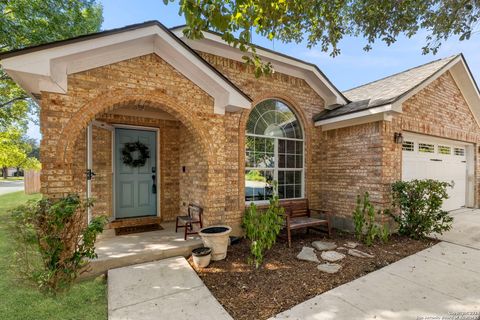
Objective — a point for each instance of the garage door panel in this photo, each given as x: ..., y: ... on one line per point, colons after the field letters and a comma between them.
x: 446, y: 163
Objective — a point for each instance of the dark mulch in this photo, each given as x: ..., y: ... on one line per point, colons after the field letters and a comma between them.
x: 283, y: 281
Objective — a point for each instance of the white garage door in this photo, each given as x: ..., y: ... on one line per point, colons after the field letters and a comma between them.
x: 431, y: 158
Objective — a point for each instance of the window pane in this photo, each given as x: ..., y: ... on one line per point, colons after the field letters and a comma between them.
x: 298, y: 177
x: 444, y: 149
x: 291, y: 161
x: 281, y: 177
x: 426, y: 147
x: 260, y: 144
x: 249, y: 143
x: 281, y: 191
x: 290, y: 146
x: 298, y: 161
x: 249, y: 159
x: 299, y: 147
x: 289, y: 177
x: 281, y: 146
x: 408, y: 146
x: 281, y: 161
x: 298, y: 191
x: 459, y: 151
x: 289, y: 192
x: 269, y: 145
x: 258, y: 184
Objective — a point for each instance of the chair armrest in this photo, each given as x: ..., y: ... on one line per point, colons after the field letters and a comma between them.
x: 327, y: 212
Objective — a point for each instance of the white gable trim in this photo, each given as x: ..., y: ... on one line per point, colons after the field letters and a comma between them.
x: 48, y: 69
x: 214, y: 44
x: 460, y: 74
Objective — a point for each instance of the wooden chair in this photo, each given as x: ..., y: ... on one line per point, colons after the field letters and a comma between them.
x: 298, y: 216
x: 194, y: 217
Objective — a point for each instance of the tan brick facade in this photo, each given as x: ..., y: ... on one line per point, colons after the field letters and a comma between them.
x: 365, y: 158
x: 339, y: 164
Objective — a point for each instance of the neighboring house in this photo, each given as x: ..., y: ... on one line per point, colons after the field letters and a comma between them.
x: 218, y: 136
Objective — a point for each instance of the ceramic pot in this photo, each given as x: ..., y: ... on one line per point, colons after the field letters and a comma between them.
x: 201, y: 257
x: 216, y: 238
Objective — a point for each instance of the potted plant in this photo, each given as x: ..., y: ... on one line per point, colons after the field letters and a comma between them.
x: 216, y: 238
x: 201, y: 257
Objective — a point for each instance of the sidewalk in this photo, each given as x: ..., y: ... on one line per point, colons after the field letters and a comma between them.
x: 165, y: 289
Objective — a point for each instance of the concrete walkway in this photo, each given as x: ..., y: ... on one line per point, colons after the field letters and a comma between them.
x: 436, y: 283
x: 166, y: 289
x: 10, y: 186
x: 466, y: 228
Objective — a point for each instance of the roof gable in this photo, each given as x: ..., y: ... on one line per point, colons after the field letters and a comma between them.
x: 214, y: 44
x: 46, y: 67
x: 387, y: 95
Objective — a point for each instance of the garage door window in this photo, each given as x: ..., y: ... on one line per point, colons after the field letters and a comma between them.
x: 408, y: 146
x: 459, y: 152
x: 426, y: 147
x: 444, y: 149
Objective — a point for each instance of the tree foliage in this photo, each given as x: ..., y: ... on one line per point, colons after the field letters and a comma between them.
x: 325, y: 23
x: 16, y: 151
x: 26, y: 23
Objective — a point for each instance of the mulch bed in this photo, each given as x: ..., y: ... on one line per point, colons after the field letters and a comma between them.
x: 283, y: 281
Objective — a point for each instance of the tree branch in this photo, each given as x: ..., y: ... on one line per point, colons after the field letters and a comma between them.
x: 2, y: 105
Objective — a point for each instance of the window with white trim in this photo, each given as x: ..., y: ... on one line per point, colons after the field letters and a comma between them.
x: 274, y: 152
x: 444, y: 149
x: 408, y: 146
x: 459, y: 151
x: 426, y: 147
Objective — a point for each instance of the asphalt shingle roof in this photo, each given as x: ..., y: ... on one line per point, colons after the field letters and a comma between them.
x: 386, y: 90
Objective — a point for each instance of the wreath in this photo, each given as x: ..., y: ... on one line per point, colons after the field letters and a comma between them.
x: 143, y: 154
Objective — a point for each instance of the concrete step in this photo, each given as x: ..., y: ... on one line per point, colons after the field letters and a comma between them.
x: 127, y: 250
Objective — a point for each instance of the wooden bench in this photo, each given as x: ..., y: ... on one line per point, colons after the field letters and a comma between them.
x: 298, y: 216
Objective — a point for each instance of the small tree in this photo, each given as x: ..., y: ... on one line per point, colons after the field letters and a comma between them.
x: 365, y: 221
x: 419, y: 204
x: 262, y: 228
x: 58, y: 231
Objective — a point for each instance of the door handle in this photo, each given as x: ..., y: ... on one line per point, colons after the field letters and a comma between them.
x: 154, y: 185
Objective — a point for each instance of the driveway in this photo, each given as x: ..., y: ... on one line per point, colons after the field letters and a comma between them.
x: 442, y: 282
x: 10, y: 186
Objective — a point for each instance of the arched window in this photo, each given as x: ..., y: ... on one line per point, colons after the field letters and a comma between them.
x: 274, y: 152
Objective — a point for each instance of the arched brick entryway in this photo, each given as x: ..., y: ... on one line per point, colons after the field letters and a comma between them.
x: 74, y: 129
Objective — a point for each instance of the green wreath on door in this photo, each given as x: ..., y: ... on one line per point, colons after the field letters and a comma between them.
x: 129, y: 148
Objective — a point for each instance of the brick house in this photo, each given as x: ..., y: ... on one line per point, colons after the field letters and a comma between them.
x: 217, y: 136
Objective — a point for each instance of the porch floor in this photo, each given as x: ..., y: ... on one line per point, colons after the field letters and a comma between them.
x: 126, y: 250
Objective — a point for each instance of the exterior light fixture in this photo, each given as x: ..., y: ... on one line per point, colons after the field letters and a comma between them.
x: 398, y: 138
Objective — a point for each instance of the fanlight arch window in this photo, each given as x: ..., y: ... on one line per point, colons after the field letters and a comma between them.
x: 274, y: 147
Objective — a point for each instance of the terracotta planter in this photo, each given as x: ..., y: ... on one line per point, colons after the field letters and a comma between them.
x: 201, y: 257
x: 216, y: 238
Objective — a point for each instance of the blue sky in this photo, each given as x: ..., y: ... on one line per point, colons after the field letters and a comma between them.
x: 353, y: 67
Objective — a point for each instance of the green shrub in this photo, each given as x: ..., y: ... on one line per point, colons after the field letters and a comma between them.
x: 254, y: 175
x: 419, y: 204
x: 262, y: 228
x: 364, y: 219
x: 57, y: 231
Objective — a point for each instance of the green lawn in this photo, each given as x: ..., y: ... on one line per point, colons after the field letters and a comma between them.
x: 18, y: 300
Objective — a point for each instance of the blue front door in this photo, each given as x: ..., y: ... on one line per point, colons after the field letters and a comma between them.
x: 135, y: 185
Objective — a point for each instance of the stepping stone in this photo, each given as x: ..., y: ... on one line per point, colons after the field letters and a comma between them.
x: 329, y: 267
x: 308, y: 254
x: 342, y: 248
x: 323, y: 245
x: 359, y: 254
x: 332, y: 256
x: 351, y: 244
